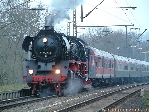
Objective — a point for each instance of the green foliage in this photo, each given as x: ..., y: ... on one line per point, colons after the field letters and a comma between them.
x: 15, y: 86
x: 145, y: 99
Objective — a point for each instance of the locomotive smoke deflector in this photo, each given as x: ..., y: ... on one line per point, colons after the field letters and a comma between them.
x: 26, y: 43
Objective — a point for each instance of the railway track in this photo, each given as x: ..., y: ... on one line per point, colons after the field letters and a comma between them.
x: 9, y: 101
x: 103, y: 100
x: 73, y: 103
x: 111, y: 106
x: 7, y: 104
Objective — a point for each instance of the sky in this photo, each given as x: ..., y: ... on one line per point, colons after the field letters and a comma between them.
x: 107, y: 13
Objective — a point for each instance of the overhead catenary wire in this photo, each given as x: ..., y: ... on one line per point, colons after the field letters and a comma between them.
x: 93, y: 9
x: 133, y: 15
x: 109, y: 13
x: 124, y: 13
x: 140, y: 36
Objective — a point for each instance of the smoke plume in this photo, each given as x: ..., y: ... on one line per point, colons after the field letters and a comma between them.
x: 61, y: 10
x: 73, y: 87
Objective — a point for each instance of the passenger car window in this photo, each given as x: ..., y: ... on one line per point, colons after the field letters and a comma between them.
x: 125, y: 67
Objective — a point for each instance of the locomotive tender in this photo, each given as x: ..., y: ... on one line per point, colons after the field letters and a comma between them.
x: 63, y: 64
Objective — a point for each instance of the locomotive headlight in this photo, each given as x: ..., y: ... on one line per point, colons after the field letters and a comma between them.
x: 45, y: 40
x: 57, y: 71
x: 30, y: 71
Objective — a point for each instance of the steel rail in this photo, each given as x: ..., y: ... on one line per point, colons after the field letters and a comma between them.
x: 97, y: 98
x: 7, y: 106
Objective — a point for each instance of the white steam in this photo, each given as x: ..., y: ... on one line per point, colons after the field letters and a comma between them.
x: 61, y: 10
x: 73, y: 87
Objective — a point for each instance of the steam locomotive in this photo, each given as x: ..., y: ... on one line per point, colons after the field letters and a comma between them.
x: 55, y: 61
x: 60, y: 64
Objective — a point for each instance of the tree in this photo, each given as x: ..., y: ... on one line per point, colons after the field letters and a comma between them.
x: 114, y: 42
x: 14, y: 26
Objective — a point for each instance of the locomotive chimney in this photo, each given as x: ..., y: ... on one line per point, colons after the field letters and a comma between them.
x: 49, y: 20
x: 49, y: 27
